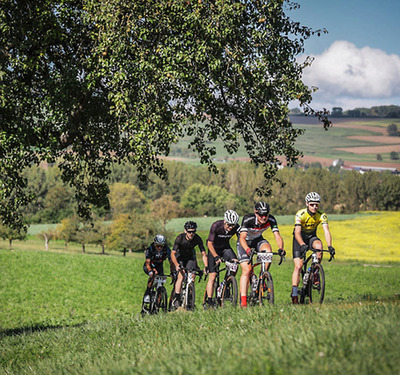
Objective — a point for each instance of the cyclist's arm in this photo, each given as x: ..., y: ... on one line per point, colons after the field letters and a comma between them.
x: 205, y: 259
x: 148, y: 265
x: 297, y: 235
x: 328, y: 236
x: 242, y: 240
x: 173, y: 258
x: 278, y: 239
x: 210, y: 246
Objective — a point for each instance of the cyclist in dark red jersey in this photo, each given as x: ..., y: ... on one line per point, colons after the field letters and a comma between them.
x: 184, y: 255
x: 155, y: 255
x: 251, y: 230
x: 218, y: 245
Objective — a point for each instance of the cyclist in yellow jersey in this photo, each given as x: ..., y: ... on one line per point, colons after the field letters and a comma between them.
x: 305, y: 237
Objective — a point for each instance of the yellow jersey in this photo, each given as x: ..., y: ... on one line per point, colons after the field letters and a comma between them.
x: 309, y: 223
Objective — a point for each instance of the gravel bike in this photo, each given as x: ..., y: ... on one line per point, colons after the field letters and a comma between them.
x: 261, y: 287
x: 313, y: 279
x: 226, y: 292
x: 188, y: 295
x: 158, y: 297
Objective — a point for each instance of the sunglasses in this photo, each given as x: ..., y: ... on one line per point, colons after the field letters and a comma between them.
x: 191, y: 231
x: 313, y: 204
x: 262, y: 215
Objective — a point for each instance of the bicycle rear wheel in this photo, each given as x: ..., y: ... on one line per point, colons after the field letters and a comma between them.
x: 230, y: 292
x: 266, y: 289
x: 316, y: 284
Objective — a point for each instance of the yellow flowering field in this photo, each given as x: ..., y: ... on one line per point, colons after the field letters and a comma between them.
x: 370, y: 238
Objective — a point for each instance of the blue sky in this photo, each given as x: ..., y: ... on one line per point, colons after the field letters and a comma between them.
x: 357, y: 64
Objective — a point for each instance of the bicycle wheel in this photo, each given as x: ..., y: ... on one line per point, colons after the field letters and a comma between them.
x: 303, y: 289
x: 316, y: 284
x: 160, y: 301
x: 190, y: 297
x: 230, y: 293
x: 266, y: 289
x: 171, y: 300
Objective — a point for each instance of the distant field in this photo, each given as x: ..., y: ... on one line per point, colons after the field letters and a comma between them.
x: 340, y: 142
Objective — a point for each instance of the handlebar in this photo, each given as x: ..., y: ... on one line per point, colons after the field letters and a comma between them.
x: 215, y: 268
x: 254, y: 251
x: 332, y: 256
x: 196, y: 271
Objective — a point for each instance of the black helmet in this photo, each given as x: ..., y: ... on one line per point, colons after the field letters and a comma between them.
x: 190, y: 225
x: 262, y: 208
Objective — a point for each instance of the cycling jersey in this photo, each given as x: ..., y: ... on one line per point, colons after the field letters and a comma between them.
x: 255, y: 229
x: 219, y: 236
x: 309, y: 223
x: 185, y: 248
x: 157, y: 257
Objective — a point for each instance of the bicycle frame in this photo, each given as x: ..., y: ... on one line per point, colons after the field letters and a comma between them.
x: 187, y: 282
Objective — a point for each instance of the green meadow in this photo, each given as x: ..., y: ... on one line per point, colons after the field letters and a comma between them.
x: 63, y: 312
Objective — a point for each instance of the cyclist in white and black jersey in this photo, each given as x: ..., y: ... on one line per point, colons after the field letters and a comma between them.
x: 252, y: 228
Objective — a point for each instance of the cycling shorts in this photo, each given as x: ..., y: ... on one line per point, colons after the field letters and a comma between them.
x: 189, y: 264
x: 255, y: 244
x: 308, y: 241
x: 226, y: 254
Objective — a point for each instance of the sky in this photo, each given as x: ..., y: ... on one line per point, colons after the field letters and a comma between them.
x: 357, y: 64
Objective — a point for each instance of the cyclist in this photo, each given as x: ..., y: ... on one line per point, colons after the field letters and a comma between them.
x: 155, y: 255
x: 305, y: 237
x: 218, y: 245
x: 184, y: 255
x: 252, y: 228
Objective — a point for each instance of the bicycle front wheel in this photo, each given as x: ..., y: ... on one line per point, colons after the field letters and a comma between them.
x: 230, y: 292
x: 190, y: 297
x: 161, y: 300
x: 266, y: 289
x: 316, y: 284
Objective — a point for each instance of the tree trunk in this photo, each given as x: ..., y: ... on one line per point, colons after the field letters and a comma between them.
x: 10, y: 243
x: 102, y: 249
x: 83, y: 248
x: 46, y: 242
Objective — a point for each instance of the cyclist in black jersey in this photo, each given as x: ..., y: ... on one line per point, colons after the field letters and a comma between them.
x: 218, y: 245
x: 184, y: 255
x: 305, y: 237
x: 251, y: 230
x: 155, y: 255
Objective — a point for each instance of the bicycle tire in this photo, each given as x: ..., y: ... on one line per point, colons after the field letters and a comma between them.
x: 160, y: 301
x: 230, y: 293
x: 190, y: 297
x: 316, y: 290
x: 266, y: 289
x: 303, y: 290
x: 171, y: 299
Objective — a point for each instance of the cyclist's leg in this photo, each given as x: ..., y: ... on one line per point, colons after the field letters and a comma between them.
x: 298, y: 264
x: 245, y: 277
x: 179, y: 280
x: 149, y: 282
x: 211, y: 277
x: 316, y: 244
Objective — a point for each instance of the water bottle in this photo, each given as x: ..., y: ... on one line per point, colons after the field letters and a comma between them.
x: 254, y: 282
x: 219, y: 290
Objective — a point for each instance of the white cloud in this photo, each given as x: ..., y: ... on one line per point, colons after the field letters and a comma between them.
x: 351, y: 77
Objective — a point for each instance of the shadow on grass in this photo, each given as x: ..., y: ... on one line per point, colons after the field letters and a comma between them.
x: 32, y: 329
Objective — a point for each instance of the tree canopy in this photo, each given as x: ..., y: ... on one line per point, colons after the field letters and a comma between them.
x: 90, y: 83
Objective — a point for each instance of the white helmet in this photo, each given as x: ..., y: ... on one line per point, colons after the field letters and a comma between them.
x: 231, y: 217
x: 159, y: 239
x: 313, y: 197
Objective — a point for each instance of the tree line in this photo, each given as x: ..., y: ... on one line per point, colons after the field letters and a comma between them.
x: 141, y: 208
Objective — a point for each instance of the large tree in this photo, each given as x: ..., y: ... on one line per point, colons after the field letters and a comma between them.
x: 90, y: 83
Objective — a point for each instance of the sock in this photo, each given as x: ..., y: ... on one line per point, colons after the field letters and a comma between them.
x: 294, y: 291
x: 209, y: 300
x: 178, y: 296
x: 147, y: 291
x: 244, y: 300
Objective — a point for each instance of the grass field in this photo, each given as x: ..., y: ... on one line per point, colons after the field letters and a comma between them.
x: 71, y: 313
x: 318, y: 142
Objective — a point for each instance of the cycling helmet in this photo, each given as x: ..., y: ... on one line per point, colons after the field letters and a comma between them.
x: 231, y: 217
x: 159, y: 239
x: 190, y: 225
x: 262, y: 208
x: 313, y: 197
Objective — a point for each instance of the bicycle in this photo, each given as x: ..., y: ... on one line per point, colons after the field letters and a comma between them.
x: 226, y: 292
x: 188, y: 295
x: 313, y: 278
x: 158, y: 297
x: 261, y: 287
